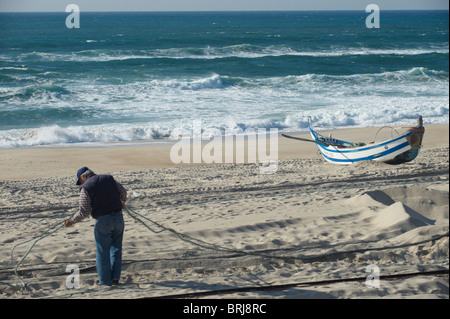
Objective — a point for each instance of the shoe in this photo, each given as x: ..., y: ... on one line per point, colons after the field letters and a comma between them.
x: 99, y: 284
x: 114, y: 283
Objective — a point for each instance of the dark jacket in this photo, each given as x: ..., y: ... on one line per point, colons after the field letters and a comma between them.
x: 105, y: 197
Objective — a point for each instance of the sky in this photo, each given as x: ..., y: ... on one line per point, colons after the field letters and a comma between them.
x: 216, y: 5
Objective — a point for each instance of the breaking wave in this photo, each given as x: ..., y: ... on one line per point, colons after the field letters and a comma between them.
x: 244, y: 51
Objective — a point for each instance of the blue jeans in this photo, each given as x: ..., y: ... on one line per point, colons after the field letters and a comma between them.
x: 108, y: 232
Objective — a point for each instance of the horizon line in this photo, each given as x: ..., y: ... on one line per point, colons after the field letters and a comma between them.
x: 211, y: 11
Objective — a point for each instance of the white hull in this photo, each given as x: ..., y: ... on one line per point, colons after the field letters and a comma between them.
x: 383, y: 152
x: 400, y: 149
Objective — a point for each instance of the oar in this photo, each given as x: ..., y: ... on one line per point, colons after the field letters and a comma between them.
x: 311, y: 141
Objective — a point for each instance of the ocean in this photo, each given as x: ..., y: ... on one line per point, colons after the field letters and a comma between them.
x: 146, y: 76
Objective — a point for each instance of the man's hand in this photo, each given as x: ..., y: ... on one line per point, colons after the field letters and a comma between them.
x: 68, y: 223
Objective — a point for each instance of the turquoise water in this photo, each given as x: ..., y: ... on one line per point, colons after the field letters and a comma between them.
x: 147, y: 76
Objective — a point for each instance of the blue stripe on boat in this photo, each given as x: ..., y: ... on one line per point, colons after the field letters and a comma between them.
x: 398, y: 147
x: 365, y: 148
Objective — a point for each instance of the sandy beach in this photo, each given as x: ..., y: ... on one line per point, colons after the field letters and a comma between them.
x: 310, y: 230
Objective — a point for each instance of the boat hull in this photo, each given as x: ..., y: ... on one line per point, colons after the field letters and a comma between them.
x: 383, y: 152
x: 401, y: 149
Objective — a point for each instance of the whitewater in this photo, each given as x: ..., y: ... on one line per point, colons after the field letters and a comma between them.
x: 150, y: 76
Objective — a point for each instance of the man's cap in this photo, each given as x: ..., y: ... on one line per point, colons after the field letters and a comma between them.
x: 80, y: 172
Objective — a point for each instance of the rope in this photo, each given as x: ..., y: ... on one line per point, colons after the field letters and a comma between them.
x: 184, y: 237
x: 392, y: 129
x: 276, y: 287
x: 203, y: 244
x: 49, y: 232
x: 197, y: 242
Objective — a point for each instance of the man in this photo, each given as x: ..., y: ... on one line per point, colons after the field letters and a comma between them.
x: 103, y: 198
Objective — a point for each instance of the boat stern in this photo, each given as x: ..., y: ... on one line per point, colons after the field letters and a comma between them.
x: 414, y: 138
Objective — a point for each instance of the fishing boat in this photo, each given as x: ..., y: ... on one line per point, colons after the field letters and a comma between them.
x: 397, y: 150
